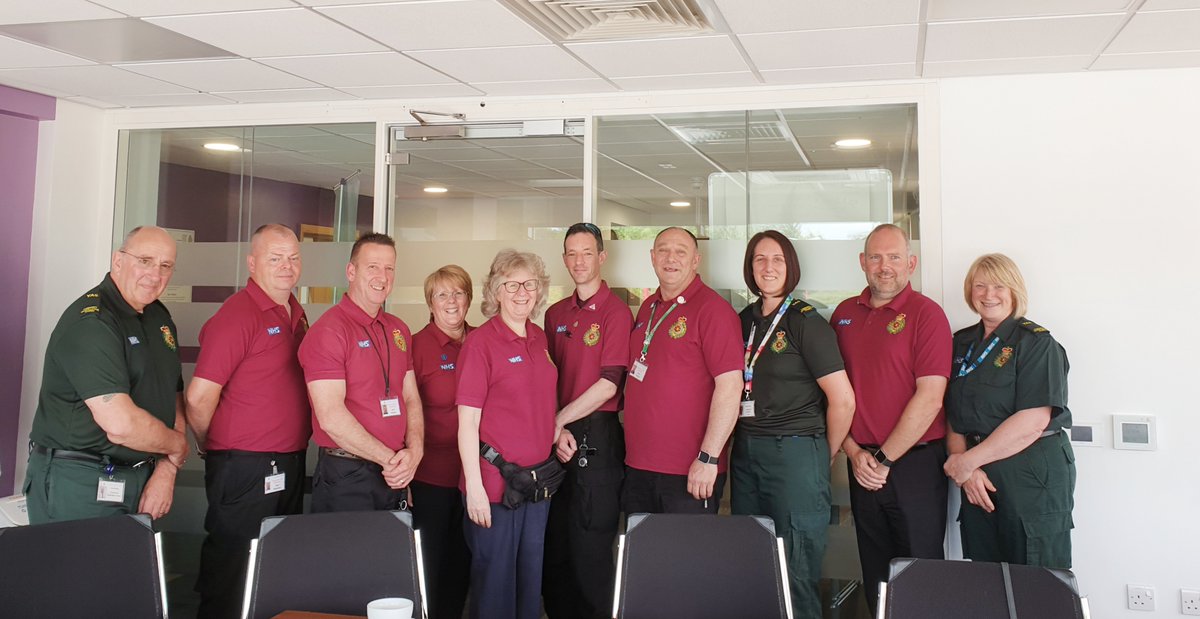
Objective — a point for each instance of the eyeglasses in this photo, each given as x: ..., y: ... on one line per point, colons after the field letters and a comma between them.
x: 457, y: 295
x: 530, y: 284
x: 146, y: 262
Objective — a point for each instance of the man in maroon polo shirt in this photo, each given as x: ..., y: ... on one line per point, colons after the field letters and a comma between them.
x: 681, y: 395
x: 367, y: 417
x: 589, y: 342
x: 897, y: 346
x: 248, y: 408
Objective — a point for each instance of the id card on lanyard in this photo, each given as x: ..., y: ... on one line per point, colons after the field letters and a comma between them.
x: 389, y: 404
x: 639, y: 367
x: 747, y: 409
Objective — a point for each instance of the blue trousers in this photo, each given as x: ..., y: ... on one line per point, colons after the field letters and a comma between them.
x: 506, y: 562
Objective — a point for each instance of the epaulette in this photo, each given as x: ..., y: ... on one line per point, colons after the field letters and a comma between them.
x: 803, y: 309
x: 91, y: 309
x: 1034, y: 327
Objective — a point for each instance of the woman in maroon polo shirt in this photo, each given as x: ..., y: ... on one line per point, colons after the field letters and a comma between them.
x: 437, y: 503
x: 506, y: 398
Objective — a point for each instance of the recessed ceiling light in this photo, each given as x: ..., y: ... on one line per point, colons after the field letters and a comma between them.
x: 223, y: 146
x: 852, y: 143
x: 436, y: 190
x: 681, y: 203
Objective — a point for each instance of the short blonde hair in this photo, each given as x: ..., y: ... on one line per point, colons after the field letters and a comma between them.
x: 998, y: 269
x: 507, y: 261
x: 450, y: 275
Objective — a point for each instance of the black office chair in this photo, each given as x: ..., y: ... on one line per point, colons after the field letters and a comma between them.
x: 922, y: 588
x: 679, y: 566
x: 333, y: 563
x: 98, y: 567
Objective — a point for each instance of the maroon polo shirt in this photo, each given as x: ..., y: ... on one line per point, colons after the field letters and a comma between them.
x: 586, y: 335
x: 666, y: 414
x: 435, y: 356
x: 886, y: 350
x: 347, y: 344
x: 249, y: 348
x: 511, y: 379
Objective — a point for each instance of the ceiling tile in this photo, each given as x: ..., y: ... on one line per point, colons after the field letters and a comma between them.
x: 684, y: 82
x: 96, y: 81
x: 947, y: 10
x: 1167, y: 31
x: 293, y: 32
x: 857, y: 73
x: 506, y: 64
x: 16, y: 54
x: 1159, y: 5
x: 660, y: 56
x: 790, y: 15
x: 551, y: 87
x: 31, y: 12
x: 1001, y: 66
x: 191, y: 98
x: 1018, y: 38
x: 154, y: 8
x: 114, y: 40
x: 438, y: 25
x: 286, y: 95
x: 832, y: 48
x: 378, y: 69
x: 219, y: 75
x: 1153, y: 60
x: 415, y: 91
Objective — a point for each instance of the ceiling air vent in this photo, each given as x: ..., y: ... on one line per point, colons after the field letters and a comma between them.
x: 592, y: 20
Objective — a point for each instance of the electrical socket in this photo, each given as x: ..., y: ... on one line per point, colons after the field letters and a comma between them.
x: 1189, y: 601
x: 1141, y: 597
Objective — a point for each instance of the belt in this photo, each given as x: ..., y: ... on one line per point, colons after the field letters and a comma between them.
x: 338, y: 452
x: 975, y: 439
x: 83, y: 456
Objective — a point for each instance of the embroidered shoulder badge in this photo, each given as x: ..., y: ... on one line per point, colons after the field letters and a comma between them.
x: 679, y: 329
x: 92, y: 295
x: 806, y: 308
x: 168, y: 337
x: 1033, y: 326
x: 398, y: 338
x: 91, y: 309
x: 1005, y: 354
x: 896, y: 325
x: 592, y: 337
x: 780, y: 343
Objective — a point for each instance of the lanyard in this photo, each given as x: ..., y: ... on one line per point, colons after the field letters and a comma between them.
x: 963, y: 369
x: 387, y: 370
x: 651, y: 331
x: 748, y: 373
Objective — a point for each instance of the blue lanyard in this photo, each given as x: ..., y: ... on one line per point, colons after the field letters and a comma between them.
x: 963, y: 369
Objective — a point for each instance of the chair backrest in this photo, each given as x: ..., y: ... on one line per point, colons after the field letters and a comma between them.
x: 333, y: 563
x: 933, y: 588
x: 98, y: 567
x: 685, y: 566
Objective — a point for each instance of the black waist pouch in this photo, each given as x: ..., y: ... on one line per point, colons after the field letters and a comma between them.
x: 525, y: 484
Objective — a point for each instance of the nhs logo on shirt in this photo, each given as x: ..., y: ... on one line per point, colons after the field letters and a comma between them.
x: 133, y: 341
x: 273, y: 330
x: 516, y: 359
x: 560, y: 329
x: 843, y: 322
x: 449, y: 367
x: 364, y: 343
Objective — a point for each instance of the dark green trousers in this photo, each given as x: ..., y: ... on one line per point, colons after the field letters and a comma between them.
x: 60, y: 489
x: 787, y: 479
x: 1034, y: 498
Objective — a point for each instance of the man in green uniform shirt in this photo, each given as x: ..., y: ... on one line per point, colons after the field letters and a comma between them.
x: 108, y: 434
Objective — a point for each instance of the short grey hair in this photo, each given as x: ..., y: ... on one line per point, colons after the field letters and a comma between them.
x: 507, y: 261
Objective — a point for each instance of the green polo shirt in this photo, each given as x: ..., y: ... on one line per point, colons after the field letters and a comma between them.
x: 1026, y: 368
x: 100, y: 346
x: 787, y: 399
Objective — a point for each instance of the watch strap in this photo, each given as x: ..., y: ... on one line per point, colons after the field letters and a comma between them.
x: 706, y: 458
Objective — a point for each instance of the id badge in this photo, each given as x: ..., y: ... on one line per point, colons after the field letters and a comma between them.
x: 111, y: 491
x: 747, y: 408
x: 390, y: 407
x: 638, y: 370
x: 274, y: 483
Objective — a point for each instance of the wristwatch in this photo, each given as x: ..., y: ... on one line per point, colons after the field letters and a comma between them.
x: 707, y: 459
x: 882, y: 458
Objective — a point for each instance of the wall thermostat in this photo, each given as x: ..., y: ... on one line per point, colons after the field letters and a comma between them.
x: 1085, y: 434
x: 1137, y: 432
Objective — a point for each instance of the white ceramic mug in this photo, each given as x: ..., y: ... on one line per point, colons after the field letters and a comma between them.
x: 390, y: 608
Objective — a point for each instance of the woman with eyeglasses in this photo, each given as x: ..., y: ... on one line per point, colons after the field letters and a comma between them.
x: 506, y: 398
x: 437, y: 504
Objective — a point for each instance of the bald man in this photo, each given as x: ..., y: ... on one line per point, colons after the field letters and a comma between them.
x: 248, y: 407
x: 108, y: 434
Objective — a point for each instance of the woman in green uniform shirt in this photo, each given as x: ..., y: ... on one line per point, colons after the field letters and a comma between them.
x: 796, y: 409
x: 1007, y: 408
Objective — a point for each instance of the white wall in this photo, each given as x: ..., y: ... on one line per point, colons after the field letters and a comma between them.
x: 1089, y: 182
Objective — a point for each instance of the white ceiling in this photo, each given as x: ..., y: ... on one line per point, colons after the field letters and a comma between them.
x: 137, y: 53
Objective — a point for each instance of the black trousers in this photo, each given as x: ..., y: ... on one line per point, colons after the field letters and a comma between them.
x: 578, y: 570
x: 347, y: 485
x: 237, y: 504
x: 905, y: 518
x: 660, y: 493
x: 438, y: 514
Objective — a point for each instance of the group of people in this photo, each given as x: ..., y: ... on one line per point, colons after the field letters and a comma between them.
x: 639, y: 409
